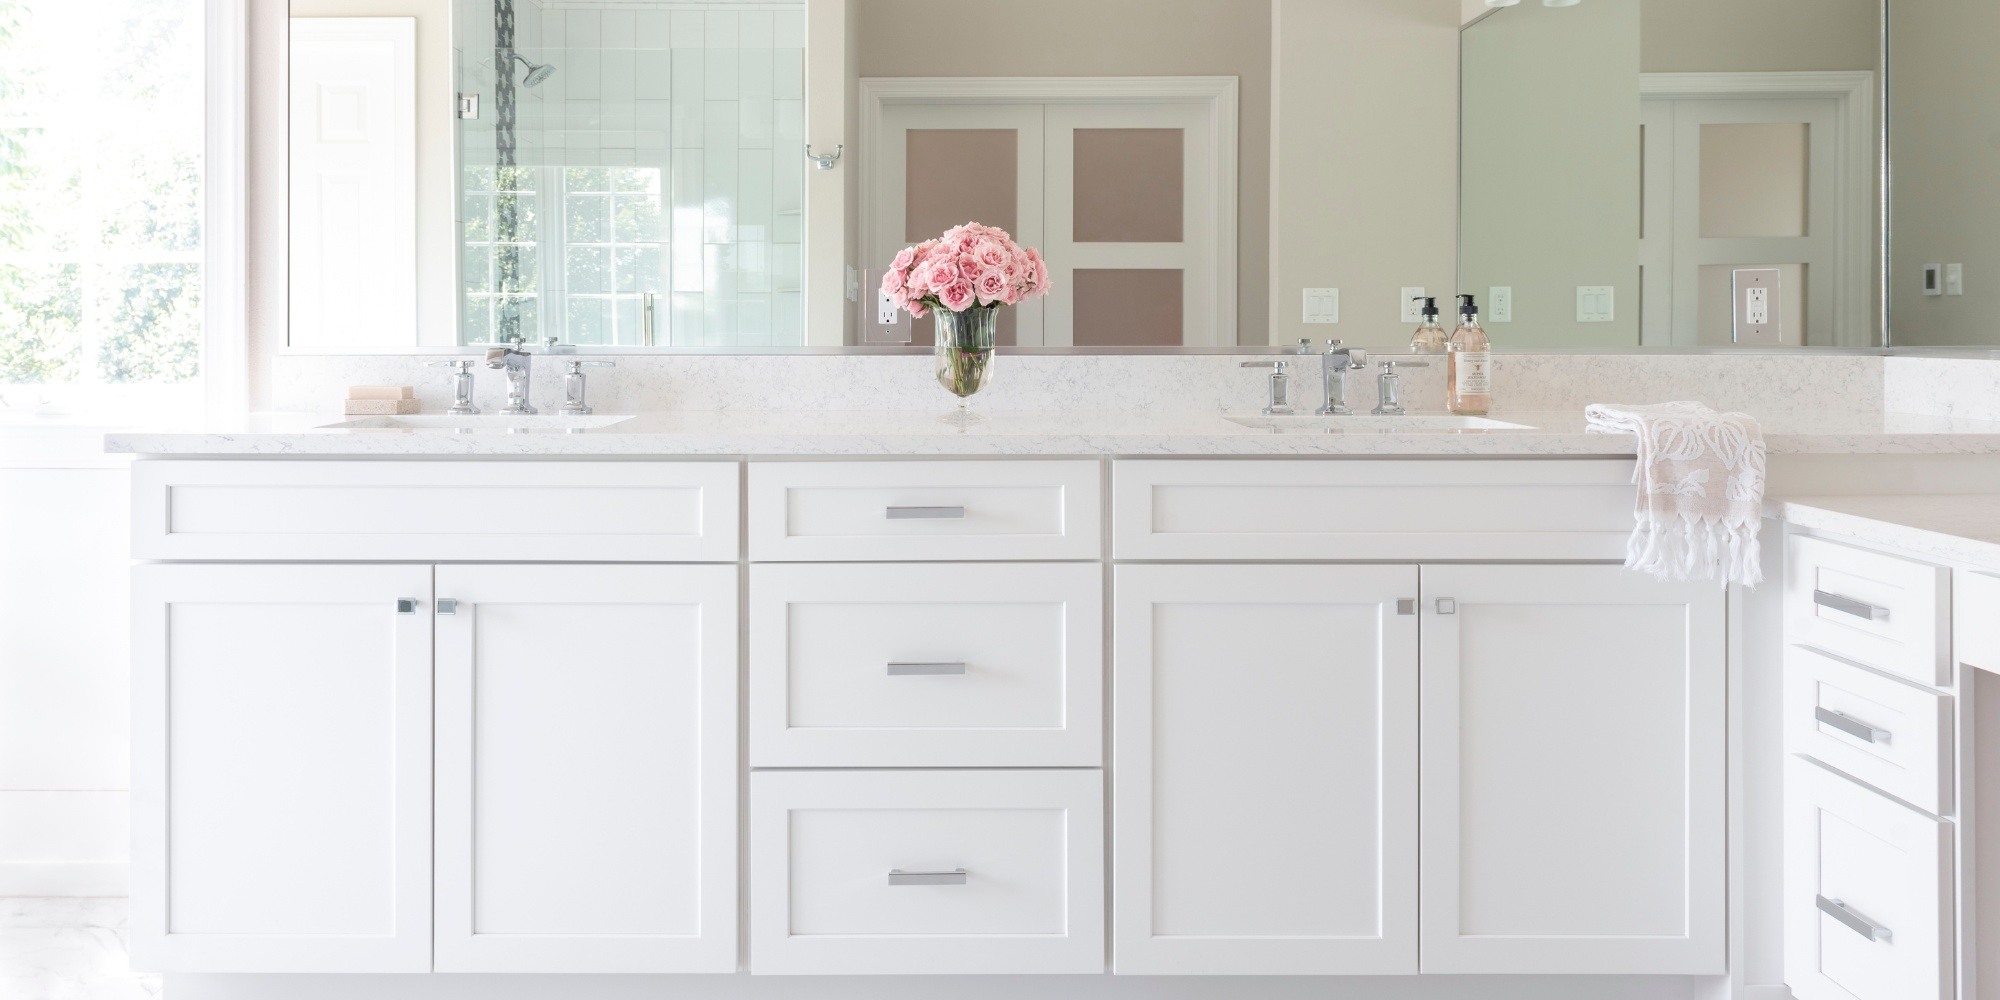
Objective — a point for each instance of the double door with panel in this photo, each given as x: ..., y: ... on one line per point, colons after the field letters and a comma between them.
x: 1332, y: 770
x: 584, y: 754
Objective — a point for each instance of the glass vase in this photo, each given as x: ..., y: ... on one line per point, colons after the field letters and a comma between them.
x: 965, y: 349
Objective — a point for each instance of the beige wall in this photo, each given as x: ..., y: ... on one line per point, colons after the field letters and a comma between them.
x: 1725, y: 36
x: 1366, y: 179
x: 1945, y: 121
x: 1552, y: 168
x: 1106, y: 38
x: 437, y: 211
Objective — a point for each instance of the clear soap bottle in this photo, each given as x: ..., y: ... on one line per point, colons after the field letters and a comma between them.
x: 1430, y: 337
x: 1469, y: 364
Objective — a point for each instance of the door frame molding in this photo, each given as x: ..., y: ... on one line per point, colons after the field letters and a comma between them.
x: 1218, y: 94
x: 1857, y: 151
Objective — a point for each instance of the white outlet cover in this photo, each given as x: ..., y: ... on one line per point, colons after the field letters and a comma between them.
x: 1500, y: 304
x: 885, y: 309
x: 1413, y: 306
x: 1596, y: 304
x: 1322, y: 305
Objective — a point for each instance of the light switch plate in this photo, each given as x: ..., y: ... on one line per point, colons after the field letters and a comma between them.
x: 1954, y: 279
x: 1596, y: 304
x: 853, y: 283
x: 1933, y: 279
x: 1322, y: 305
x: 1758, y: 321
x: 1413, y: 304
x: 1500, y: 304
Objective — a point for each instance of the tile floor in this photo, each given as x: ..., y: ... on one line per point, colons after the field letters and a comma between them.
x: 67, y: 949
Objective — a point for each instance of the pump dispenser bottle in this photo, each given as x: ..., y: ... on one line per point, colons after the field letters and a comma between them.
x: 1469, y: 364
x: 1430, y: 337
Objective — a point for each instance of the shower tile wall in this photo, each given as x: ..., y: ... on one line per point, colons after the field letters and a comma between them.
x: 667, y: 156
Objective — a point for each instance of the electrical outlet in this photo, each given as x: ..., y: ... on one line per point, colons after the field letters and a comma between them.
x: 1322, y: 305
x: 1954, y: 279
x: 885, y: 309
x: 1757, y: 307
x: 1757, y: 321
x: 1500, y: 304
x: 1596, y: 304
x: 1413, y: 305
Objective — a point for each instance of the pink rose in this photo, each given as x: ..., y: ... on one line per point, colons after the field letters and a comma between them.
x: 992, y: 287
x: 958, y: 297
x: 991, y: 254
x: 892, y: 283
x: 904, y: 258
x: 917, y: 310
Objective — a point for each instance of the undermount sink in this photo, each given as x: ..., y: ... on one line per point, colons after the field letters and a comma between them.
x: 1410, y: 424
x: 488, y: 422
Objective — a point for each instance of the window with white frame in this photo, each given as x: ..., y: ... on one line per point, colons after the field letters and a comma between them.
x: 101, y: 167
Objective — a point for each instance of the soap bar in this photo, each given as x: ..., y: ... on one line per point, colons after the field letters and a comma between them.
x: 382, y: 407
x: 381, y: 392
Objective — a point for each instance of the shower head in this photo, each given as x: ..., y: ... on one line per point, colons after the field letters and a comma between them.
x: 537, y: 73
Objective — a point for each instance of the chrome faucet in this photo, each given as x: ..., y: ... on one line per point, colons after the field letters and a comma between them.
x: 461, y: 387
x: 1390, y: 386
x: 518, y: 366
x: 573, y: 387
x: 1334, y: 366
x: 1281, y: 387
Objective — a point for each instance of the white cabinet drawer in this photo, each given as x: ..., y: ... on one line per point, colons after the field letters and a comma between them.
x: 1868, y: 899
x: 1890, y: 734
x: 923, y: 511
x: 1976, y: 620
x: 446, y: 511
x: 928, y: 872
x: 1869, y: 607
x: 926, y: 665
x: 1365, y: 509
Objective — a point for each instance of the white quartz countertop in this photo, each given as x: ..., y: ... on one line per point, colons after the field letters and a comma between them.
x: 1961, y: 529
x: 891, y: 434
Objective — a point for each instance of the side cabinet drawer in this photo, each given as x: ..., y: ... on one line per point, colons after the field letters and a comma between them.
x: 1364, y: 509
x: 1869, y: 607
x: 1867, y: 898
x: 925, y: 665
x: 923, y: 511
x: 1976, y: 620
x: 888, y: 872
x: 1890, y: 734
x: 436, y: 511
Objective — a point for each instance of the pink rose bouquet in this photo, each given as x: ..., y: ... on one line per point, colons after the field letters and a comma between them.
x: 970, y: 266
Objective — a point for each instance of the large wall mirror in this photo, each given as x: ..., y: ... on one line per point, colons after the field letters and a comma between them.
x: 633, y: 175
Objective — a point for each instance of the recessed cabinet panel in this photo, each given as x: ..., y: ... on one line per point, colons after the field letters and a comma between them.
x: 1573, y: 750
x: 282, y: 768
x: 586, y: 805
x: 1867, y: 895
x: 926, y: 665
x: 1886, y: 732
x: 928, y: 511
x: 1265, y: 752
x: 938, y: 872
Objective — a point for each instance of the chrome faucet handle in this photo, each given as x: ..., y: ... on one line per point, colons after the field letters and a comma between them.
x: 1389, y: 386
x: 574, y: 404
x: 1281, y: 387
x: 461, y: 386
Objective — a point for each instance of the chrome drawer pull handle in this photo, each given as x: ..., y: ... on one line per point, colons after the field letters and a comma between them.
x: 1856, y: 922
x: 1851, y: 726
x: 955, y: 876
x: 447, y: 606
x: 1850, y: 606
x: 926, y: 669
x: 406, y: 606
x: 926, y: 513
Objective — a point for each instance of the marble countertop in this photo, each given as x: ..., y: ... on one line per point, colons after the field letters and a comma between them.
x: 1961, y: 529
x: 886, y: 433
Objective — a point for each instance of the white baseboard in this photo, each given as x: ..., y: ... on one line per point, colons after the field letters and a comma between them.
x: 64, y: 878
x: 1748, y: 992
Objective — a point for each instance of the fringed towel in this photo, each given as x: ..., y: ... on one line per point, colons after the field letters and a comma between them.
x: 1701, y: 490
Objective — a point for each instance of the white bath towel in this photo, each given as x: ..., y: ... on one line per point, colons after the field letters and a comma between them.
x: 1701, y: 490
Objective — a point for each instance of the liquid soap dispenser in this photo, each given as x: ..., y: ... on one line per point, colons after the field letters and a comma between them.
x: 1469, y: 364
x: 1430, y: 337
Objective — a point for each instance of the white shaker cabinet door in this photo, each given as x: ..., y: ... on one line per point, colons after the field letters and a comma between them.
x: 281, y: 768
x: 1265, y: 760
x: 1573, y: 762
x: 586, y: 783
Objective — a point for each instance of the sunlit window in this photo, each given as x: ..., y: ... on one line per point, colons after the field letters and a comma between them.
x: 101, y: 139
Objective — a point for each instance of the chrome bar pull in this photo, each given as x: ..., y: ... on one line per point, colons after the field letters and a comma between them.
x: 447, y: 606
x: 926, y: 513
x: 955, y: 876
x: 1850, y: 725
x: 926, y: 669
x: 406, y: 606
x: 1855, y: 922
x: 1850, y: 606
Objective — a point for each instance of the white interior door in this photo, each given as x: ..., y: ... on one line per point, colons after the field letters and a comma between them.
x: 1265, y: 805
x: 1133, y: 247
x: 586, y: 787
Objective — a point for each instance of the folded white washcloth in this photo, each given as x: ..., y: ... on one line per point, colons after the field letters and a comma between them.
x: 1701, y: 490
